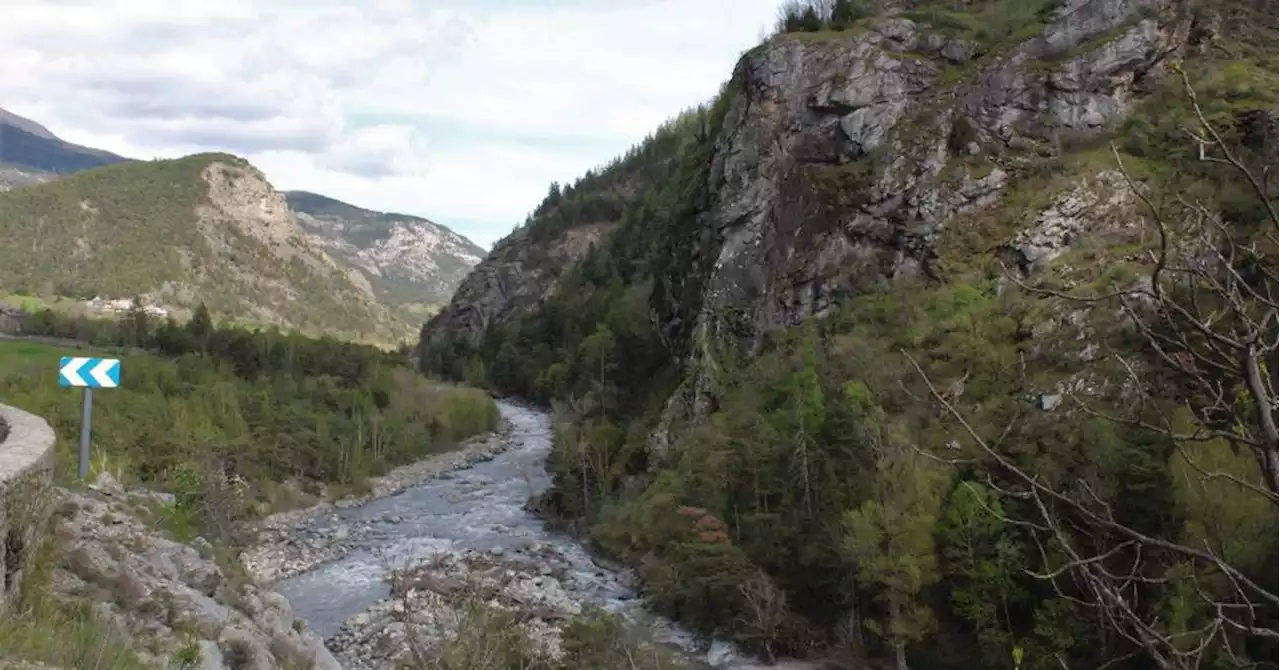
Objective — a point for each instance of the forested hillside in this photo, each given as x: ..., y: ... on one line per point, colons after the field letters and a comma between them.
x: 206, y: 228
x: 944, y: 337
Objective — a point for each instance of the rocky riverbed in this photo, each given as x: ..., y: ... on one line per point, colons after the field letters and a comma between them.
x: 390, y: 574
x: 293, y: 542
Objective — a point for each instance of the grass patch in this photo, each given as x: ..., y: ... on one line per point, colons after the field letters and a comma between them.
x: 67, y: 637
x: 35, y: 303
x: 996, y: 24
x: 823, y: 35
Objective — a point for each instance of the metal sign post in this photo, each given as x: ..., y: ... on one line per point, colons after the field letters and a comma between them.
x: 86, y: 427
x: 89, y: 374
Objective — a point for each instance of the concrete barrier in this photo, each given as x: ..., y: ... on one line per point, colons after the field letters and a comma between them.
x: 26, y: 481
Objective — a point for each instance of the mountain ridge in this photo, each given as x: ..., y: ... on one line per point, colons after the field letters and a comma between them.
x: 409, y: 263
x: 206, y: 228
x: 410, y: 260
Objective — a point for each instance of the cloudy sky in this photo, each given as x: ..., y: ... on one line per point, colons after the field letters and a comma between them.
x: 458, y: 110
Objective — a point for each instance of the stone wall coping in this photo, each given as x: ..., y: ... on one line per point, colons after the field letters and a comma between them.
x: 29, y: 441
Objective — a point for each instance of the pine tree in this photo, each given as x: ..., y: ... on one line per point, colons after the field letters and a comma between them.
x: 201, y: 328
x: 890, y: 536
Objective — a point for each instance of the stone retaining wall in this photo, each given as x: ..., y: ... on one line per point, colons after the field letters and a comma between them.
x: 26, y: 480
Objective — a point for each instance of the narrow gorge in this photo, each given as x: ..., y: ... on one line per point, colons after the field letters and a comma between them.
x: 870, y: 356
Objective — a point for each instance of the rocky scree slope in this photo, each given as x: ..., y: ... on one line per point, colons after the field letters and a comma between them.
x: 414, y: 265
x: 206, y: 228
x: 868, y: 183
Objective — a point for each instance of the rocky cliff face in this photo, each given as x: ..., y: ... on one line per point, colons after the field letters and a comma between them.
x: 265, y: 258
x: 516, y: 277
x: 843, y: 156
x: 844, y: 159
x: 876, y: 110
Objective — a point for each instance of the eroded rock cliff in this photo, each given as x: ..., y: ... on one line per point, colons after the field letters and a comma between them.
x: 842, y: 159
x: 843, y: 155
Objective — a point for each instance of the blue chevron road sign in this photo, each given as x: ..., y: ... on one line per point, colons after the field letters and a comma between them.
x: 89, y: 374
x: 94, y: 373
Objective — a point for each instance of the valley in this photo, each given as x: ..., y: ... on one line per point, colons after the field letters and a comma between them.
x: 943, y: 336
x: 878, y: 346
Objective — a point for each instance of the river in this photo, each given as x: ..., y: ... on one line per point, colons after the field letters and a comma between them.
x: 480, y: 507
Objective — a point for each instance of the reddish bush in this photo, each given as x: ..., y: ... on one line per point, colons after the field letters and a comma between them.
x: 709, y: 522
x: 691, y: 512
x: 714, y: 537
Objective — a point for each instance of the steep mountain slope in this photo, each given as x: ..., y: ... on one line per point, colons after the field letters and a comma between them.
x: 205, y: 228
x: 25, y: 125
x: 879, y: 195
x: 413, y: 264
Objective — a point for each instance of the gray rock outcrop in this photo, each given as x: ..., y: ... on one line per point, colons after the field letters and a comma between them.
x: 148, y: 587
x: 916, y: 131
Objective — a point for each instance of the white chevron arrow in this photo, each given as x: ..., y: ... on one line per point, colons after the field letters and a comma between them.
x: 72, y: 371
x: 99, y: 373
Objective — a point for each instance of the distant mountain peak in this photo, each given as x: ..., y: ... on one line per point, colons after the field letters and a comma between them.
x: 24, y: 124
x: 32, y: 148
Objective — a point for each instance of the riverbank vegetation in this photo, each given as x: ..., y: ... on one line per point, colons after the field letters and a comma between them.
x: 490, y: 639
x: 973, y: 470
x: 225, y: 417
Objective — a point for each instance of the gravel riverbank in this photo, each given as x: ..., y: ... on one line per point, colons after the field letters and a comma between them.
x: 293, y: 542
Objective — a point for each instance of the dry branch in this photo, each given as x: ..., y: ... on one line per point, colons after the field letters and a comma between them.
x: 1207, y: 315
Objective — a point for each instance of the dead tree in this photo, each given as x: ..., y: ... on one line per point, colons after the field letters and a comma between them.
x: 1207, y: 316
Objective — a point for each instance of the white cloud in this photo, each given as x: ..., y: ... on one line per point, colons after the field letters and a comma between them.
x: 459, y: 110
